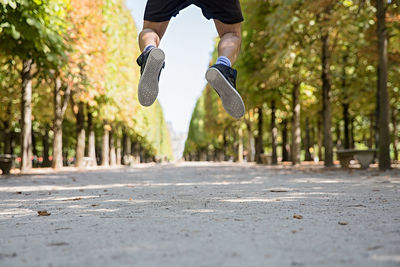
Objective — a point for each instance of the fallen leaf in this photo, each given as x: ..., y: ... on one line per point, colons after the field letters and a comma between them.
x: 5, y: 255
x: 65, y: 228
x: 94, y: 205
x: 375, y: 247
x: 278, y: 190
x: 130, y: 198
x: 43, y: 213
x: 299, y: 217
x: 80, y: 190
x: 73, y: 199
x: 58, y: 244
x: 343, y: 223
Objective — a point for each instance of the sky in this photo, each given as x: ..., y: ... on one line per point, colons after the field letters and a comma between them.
x: 188, y: 45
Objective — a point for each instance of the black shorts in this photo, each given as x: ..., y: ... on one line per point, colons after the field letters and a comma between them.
x: 227, y: 11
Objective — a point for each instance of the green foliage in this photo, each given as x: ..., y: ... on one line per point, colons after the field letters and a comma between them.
x: 197, y: 137
x: 92, y: 46
x: 34, y: 30
x: 119, y: 103
x: 9, y: 91
x: 281, y: 46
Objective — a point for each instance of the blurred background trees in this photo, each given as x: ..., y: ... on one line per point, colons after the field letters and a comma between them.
x: 320, y: 76
x: 315, y: 78
x: 68, y: 77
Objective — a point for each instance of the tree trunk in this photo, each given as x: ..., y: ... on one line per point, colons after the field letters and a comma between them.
x: 346, y: 125
x: 395, y: 134
x: 60, y: 105
x: 345, y: 103
x: 274, y: 133
x: 7, y: 131
x: 215, y: 156
x: 250, y: 142
x: 57, y: 147
x: 203, y: 155
x: 376, y: 126
x: 105, y: 151
x: 308, y: 141
x: 91, y: 139
x: 210, y: 155
x: 371, y: 131
x: 384, y: 135
x: 143, y: 157
x: 65, y: 157
x: 7, y: 138
x: 13, y: 137
x: 135, y: 150
x: 352, y: 139
x: 240, y: 145
x: 326, y: 96
x: 226, y: 158
x: 113, y: 156
x: 34, y: 143
x: 285, y: 146
x: 118, y: 151
x: 124, y: 144
x: 296, y: 130
x: 312, y: 139
x: 34, y: 150
x: 138, y: 152
x: 46, y: 147
x: 338, y: 142
x: 259, y: 140
x: 319, y: 138
x: 26, y: 116
x: 126, y: 148
x: 80, y: 135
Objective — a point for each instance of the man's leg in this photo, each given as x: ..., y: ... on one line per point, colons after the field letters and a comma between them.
x: 152, y: 33
x: 151, y: 61
x: 231, y: 39
x: 221, y: 76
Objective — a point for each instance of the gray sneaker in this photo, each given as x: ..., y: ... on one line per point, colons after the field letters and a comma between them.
x: 151, y: 63
x: 223, y: 79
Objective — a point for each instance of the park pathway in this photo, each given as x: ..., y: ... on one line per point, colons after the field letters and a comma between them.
x: 201, y: 214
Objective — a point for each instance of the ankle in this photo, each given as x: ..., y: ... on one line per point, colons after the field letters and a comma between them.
x: 224, y: 61
x: 148, y: 47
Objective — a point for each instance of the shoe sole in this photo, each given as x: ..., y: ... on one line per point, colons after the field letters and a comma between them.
x: 148, y: 84
x: 231, y: 100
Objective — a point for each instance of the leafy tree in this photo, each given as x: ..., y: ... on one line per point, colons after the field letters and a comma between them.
x: 10, y: 99
x: 85, y: 68
x: 31, y: 31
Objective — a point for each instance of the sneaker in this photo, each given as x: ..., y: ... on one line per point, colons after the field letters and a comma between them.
x: 223, y: 79
x: 151, y: 63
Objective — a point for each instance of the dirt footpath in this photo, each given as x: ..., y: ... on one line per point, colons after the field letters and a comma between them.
x: 201, y: 214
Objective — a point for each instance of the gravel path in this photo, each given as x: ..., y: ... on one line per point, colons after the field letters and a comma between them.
x: 201, y: 214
